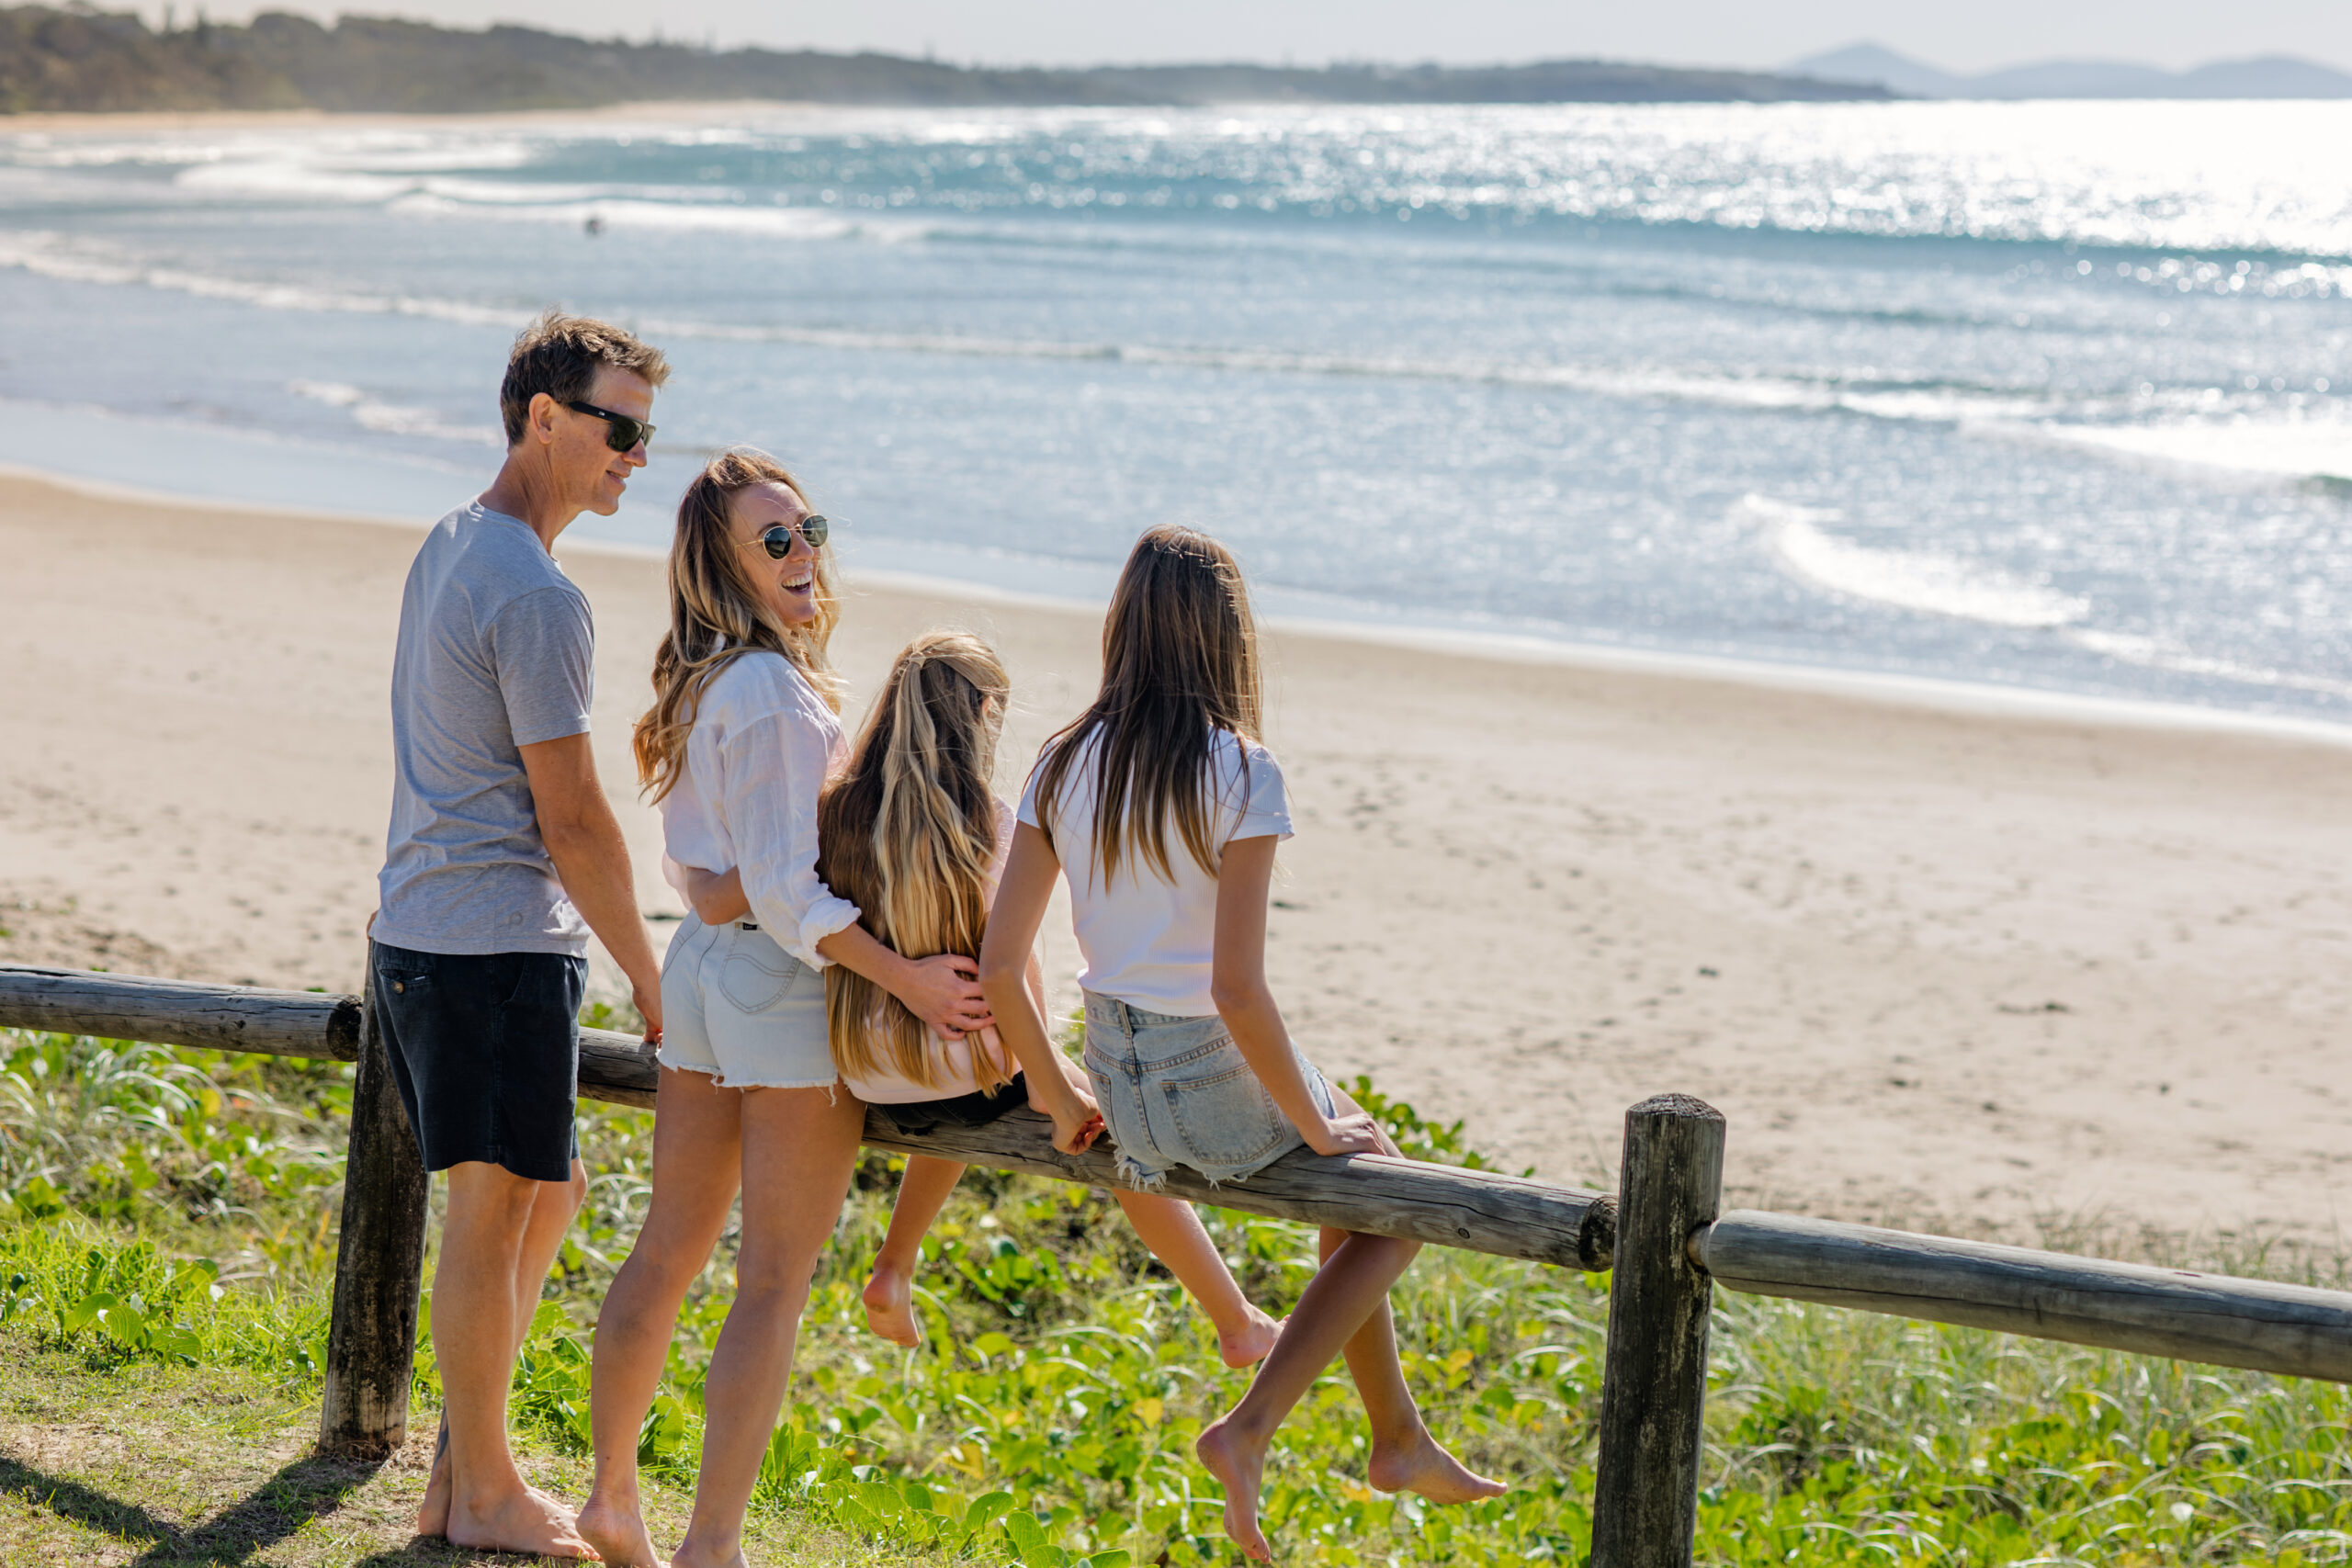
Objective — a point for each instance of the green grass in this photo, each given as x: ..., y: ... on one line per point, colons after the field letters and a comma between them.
x: 1049, y: 1417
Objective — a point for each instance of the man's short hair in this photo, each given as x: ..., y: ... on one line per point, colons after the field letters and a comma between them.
x: 559, y: 356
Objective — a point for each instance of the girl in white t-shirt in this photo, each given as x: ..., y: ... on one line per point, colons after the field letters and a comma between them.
x: 910, y: 832
x: 1163, y: 811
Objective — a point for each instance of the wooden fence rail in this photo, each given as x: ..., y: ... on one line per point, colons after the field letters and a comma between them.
x: 1671, y: 1245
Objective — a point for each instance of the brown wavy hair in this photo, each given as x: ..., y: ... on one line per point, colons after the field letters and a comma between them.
x: 1180, y: 663
x: 908, y: 833
x: 718, y: 614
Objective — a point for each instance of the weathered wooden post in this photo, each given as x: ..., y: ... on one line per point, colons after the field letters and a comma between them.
x: 380, y: 1264
x: 1654, y: 1385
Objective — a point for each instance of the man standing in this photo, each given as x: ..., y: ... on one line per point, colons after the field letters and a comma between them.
x: 504, y: 855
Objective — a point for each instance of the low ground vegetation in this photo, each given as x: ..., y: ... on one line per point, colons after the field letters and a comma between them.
x: 166, y: 1217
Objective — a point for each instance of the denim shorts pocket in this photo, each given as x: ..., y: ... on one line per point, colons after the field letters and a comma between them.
x: 1226, y: 1117
x: 753, y: 981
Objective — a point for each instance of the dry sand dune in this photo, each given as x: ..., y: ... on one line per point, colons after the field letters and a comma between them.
x: 1972, y: 970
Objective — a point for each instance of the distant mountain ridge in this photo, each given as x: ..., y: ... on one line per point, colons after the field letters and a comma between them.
x: 86, y: 60
x: 2271, y: 76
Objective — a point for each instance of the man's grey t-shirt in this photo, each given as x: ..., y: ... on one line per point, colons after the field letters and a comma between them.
x: 496, y: 652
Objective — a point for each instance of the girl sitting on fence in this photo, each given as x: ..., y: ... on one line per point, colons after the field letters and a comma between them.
x: 1190, y: 1061
x: 911, y: 834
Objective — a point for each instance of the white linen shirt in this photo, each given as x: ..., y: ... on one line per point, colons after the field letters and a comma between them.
x: 762, y: 747
x: 1149, y: 941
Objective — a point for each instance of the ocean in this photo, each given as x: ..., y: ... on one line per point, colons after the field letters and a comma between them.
x: 2049, y: 396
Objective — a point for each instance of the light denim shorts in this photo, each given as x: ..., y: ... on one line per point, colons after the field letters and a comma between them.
x: 740, y: 1008
x: 1178, y: 1091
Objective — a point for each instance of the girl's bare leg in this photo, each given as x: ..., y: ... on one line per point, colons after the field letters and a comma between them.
x: 697, y: 1163
x: 799, y: 1145
x: 1176, y: 1236
x: 1350, y: 1287
x: 890, y: 1294
x: 1344, y: 1309
x: 1405, y: 1458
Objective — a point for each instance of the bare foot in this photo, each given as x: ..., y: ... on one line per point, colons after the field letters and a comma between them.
x: 1240, y: 1467
x: 617, y: 1532
x: 522, y: 1521
x: 890, y: 1308
x: 689, y: 1558
x: 1426, y: 1468
x: 1253, y: 1345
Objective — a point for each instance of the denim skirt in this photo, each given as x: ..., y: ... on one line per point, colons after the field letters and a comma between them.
x: 1177, y: 1091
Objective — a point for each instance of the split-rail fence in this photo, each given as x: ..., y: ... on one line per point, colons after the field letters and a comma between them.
x: 1664, y: 1236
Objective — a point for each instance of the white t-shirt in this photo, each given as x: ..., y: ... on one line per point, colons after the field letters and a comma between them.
x: 1147, y: 941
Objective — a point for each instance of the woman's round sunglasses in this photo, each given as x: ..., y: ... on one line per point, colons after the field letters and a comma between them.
x: 778, y: 539
x: 621, y: 433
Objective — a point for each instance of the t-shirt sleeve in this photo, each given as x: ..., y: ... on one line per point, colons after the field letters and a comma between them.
x: 1028, y: 812
x: 1266, y: 811
x: 544, y: 649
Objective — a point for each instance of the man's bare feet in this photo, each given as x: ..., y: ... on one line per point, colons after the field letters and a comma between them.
x: 1425, y: 1467
x: 1240, y: 1466
x: 890, y: 1307
x: 616, y: 1529
x: 1252, y: 1344
x: 433, y: 1513
x: 688, y: 1557
x: 520, y: 1521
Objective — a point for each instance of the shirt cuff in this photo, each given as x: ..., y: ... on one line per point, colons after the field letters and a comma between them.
x: 825, y: 917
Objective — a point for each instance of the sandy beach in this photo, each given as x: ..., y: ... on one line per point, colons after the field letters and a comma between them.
x: 1981, y: 970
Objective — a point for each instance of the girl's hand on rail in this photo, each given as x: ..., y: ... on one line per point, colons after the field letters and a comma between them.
x: 1356, y: 1133
x: 1078, y: 1121
x: 945, y: 992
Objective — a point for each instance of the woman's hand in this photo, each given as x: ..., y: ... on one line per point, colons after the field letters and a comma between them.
x: 945, y: 992
x: 1355, y: 1134
x: 717, y: 898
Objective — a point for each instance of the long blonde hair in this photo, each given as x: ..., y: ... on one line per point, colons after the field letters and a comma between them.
x: 1180, y: 663
x: 718, y: 614
x: 908, y: 832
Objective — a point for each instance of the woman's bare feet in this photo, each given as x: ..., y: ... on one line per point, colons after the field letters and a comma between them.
x: 1252, y: 1344
x: 1240, y: 1466
x: 890, y: 1307
x: 521, y: 1520
x: 616, y: 1529
x: 1424, y: 1467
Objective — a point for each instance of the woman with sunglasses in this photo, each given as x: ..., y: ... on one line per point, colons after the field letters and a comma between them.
x: 743, y: 735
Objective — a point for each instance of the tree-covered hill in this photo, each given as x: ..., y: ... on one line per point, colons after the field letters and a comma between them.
x: 80, y: 58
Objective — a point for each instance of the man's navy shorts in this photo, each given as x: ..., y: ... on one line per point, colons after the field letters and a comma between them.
x: 486, y: 1051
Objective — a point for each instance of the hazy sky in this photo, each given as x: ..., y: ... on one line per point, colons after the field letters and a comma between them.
x: 1971, y: 36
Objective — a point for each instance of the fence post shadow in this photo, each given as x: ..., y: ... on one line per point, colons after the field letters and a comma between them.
x: 379, y: 1262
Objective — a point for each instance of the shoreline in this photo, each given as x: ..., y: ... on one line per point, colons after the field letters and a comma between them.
x: 1977, y: 972
x: 1928, y: 692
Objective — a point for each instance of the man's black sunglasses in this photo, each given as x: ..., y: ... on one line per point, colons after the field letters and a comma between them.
x: 621, y: 433
x: 778, y: 539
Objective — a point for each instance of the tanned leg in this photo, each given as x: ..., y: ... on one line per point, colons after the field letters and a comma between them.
x: 799, y: 1147
x: 553, y: 1207
x: 474, y: 1335
x: 698, y: 1162
x: 1405, y: 1458
x: 1350, y: 1287
x: 890, y: 1292
x: 1176, y: 1236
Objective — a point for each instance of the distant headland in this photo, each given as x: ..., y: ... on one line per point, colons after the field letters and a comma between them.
x: 80, y: 58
